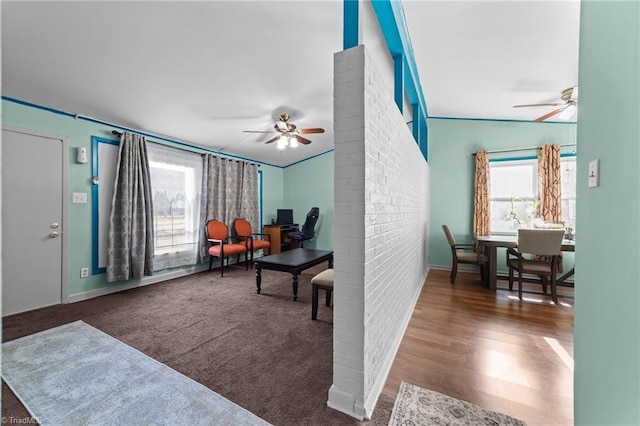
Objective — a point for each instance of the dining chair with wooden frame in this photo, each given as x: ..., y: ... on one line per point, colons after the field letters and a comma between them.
x: 541, y: 242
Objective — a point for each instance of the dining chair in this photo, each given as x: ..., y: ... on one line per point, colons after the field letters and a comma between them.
x: 540, y: 242
x: 220, y: 246
x: 465, y: 253
x: 246, y: 236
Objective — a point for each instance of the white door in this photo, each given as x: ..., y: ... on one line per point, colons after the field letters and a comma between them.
x: 32, y: 190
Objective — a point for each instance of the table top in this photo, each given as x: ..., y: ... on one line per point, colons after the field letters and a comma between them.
x: 512, y: 241
x: 295, y: 257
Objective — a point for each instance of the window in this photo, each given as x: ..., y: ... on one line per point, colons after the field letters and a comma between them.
x: 176, y: 179
x: 568, y: 189
x: 514, y: 193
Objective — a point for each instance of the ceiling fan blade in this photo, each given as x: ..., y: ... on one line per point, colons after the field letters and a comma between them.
x: 302, y: 140
x: 273, y: 139
x: 281, y: 126
x: 549, y: 115
x: 537, y: 105
x: 311, y: 130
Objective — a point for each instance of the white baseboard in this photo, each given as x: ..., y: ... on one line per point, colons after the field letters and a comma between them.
x: 154, y: 279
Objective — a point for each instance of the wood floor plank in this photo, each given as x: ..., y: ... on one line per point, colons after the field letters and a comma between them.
x: 491, y: 348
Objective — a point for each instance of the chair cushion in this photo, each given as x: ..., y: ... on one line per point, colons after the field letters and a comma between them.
x: 470, y: 257
x: 257, y: 244
x: 324, y: 278
x: 229, y: 249
x: 532, y: 266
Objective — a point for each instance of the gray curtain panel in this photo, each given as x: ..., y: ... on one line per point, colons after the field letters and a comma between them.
x: 130, y: 246
x: 229, y: 191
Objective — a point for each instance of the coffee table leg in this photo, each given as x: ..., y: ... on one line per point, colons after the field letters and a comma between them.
x: 295, y: 287
x: 258, y: 277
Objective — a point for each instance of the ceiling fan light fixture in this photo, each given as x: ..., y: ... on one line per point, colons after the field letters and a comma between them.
x: 293, y: 143
x: 282, y: 142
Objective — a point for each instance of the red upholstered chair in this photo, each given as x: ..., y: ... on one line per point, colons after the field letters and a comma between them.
x: 244, y: 233
x: 218, y: 236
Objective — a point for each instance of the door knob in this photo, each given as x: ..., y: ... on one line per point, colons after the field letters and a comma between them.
x: 54, y: 234
x: 54, y: 225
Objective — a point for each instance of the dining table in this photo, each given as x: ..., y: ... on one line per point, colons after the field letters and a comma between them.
x: 490, y: 244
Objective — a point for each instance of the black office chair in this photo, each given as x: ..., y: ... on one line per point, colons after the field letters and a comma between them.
x: 308, y: 230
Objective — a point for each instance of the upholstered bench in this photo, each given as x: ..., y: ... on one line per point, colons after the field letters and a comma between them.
x: 324, y: 280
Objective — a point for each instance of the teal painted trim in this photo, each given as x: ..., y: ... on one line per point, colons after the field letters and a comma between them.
x: 350, y: 30
x: 527, y: 157
x: 398, y: 80
x: 307, y: 159
x: 502, y: 160
x: 502, y: 120
x: 415, y: 125
x: 95, y: 206
x: 424, y: 136
x: 104, y: 123
x: 394, y: 28
x: 25, y: 103
x: 393, y: 25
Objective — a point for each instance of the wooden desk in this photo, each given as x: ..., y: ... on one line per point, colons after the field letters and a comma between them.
x: 491, y: 244
x: 277, y: 236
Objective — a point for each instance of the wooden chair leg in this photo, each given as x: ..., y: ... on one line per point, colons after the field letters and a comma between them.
x: 554, y: 294
x: 543, y: 278
x: 328, y: 298
x: 520, y: 285
x: 454, y: 271
x: 314, y: 303
x: 510, y: 279
x: 210, y: 262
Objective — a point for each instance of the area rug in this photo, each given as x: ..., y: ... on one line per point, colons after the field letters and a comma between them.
x: 417, y: 406
x: 77, y: 375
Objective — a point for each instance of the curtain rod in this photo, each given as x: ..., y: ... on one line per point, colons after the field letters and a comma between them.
x: 521, y: 149
x: 119, y: 134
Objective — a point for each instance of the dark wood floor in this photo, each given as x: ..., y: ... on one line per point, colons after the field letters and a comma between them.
x: 491, y: 349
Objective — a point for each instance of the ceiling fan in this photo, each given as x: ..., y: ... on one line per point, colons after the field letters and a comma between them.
x: 567, y: 108
x: 288, y: 133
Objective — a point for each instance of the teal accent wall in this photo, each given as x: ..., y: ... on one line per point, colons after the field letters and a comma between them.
x: 607, y: 304
x: 79, y: 234
x: 310, y: 184
x: 451, y: 143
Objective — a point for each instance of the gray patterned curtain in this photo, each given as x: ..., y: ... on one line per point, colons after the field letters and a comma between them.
x: 229, y: 191
x: 130, y: 245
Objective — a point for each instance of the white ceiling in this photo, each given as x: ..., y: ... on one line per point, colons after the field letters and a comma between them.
x: 202, y: 72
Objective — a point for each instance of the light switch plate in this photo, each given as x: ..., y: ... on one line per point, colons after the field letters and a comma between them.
x: 594, y: 177
x: 79, y: 197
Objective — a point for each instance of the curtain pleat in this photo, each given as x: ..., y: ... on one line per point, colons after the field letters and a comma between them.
x: 229, y: 191
x: 549, y: 186
x: 130, y: 243
x: 481, y: 204
x: 549, y: 192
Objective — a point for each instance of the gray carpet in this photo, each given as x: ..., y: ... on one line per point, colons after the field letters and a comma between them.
x: 261, y: 351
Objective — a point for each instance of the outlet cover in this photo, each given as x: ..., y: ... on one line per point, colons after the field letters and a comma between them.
x: 84, y: 272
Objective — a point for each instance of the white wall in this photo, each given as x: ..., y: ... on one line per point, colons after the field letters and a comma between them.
x: 381, y: 223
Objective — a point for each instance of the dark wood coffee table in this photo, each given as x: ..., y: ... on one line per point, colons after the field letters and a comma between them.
x: 292, y: 261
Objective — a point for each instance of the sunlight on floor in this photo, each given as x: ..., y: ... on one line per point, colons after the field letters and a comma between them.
x: 564, y: 356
